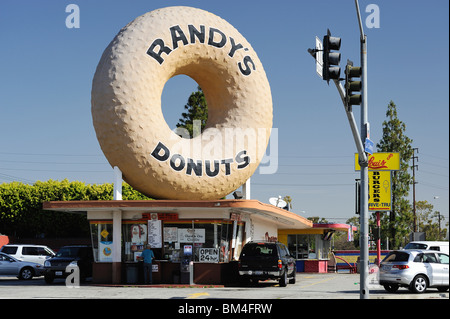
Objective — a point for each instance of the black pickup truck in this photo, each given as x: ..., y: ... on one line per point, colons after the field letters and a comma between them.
x: 80, y: 256
x: 266, y: 260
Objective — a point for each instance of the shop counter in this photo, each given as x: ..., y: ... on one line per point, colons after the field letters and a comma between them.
x: 312, y: 265
x: 316, y: 265
x: 168, y: 272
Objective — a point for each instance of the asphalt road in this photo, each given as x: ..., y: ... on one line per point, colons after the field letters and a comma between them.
x: 308, y: 286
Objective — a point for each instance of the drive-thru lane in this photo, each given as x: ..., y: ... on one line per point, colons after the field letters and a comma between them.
x: 308, y: 286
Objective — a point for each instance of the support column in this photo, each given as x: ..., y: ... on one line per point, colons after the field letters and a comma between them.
x: 117, y: 184
x: 246, y: 189
x: 117, y: 249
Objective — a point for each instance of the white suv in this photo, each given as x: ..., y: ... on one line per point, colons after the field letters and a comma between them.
x: 31, y: 253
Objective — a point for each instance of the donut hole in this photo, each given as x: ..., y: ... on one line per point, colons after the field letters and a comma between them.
x: 174, y: 98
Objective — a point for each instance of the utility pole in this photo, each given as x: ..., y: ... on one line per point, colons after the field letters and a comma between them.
x: 439, y: 218
x: 414, y: 167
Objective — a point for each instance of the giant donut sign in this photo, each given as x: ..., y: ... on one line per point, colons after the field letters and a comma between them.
x: 127, y: 113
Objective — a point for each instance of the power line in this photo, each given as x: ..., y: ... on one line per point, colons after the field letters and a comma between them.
x: 433, y: 185
x: 51, y: 170
x: 50, y: 154
x: 11, y: 178
x: 53, y: 163
x: 303, y: 185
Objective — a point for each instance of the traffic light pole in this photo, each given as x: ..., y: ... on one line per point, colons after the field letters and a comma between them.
x: 329, y: 70
x: 363, y: 160
x: 364, y: 199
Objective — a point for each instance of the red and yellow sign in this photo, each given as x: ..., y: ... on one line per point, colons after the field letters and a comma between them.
x: 379, y: 190
x: 381, y: 162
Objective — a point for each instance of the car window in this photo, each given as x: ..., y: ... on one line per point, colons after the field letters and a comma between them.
x: 5, y: 258
x: 282, y: 251
x: 30, y: 251
x: 429, y: 258
x: 437, y: 248
x: 259, y: 250
x: 44, y: 252
x: 443, y: 258
x: 396, y: 256
x: 416, y: 246
x: 10, y: 250
x: 71, y: 252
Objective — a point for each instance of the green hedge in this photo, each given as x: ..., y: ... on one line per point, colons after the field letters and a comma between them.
x: 21, y: 213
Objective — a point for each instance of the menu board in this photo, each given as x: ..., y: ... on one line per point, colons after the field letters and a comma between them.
x: 154, y: 233
x: 170, y: 234
x: 189, y: 235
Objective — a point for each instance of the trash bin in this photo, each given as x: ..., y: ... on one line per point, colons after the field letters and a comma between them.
x: 132, y: 273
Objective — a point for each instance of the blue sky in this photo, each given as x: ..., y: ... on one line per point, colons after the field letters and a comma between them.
x: 46, y: 69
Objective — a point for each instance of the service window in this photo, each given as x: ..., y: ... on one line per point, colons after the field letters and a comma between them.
x: 102, y: 240
x: 135, y: 237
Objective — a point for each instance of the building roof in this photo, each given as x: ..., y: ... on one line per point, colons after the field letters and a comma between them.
x: 341, y: 227
x: 283, y: 218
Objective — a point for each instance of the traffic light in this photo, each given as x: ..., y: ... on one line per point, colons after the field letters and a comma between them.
x: 331, y: 60
x: 351, y: 85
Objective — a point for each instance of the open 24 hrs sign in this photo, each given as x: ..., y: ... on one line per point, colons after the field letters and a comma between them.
x: 209, y: 255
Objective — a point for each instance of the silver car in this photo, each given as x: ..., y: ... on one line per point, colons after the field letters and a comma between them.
x: 414, y: 269
x: 24, y: 270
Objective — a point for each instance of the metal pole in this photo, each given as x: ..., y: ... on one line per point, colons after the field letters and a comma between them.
x: 364, y: 258
x: 414, y: 166
x: 364, y: 222
x: 378, y: 240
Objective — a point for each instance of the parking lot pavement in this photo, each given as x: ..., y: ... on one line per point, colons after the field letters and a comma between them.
x: 308, y: 286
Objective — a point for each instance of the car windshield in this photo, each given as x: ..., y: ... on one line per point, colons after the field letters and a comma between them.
x: 416, y: 246
x: 396, y: 256
x: 71, y: 252
x: 259, y: 250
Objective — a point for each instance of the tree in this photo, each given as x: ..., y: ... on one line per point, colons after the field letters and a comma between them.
x: 341, y: 242
x: 197, y: 110
x: 21, y: 213
x: 429, y: 221
x: 288, y: 201
x: 395, y: 226
x: 318, y: 220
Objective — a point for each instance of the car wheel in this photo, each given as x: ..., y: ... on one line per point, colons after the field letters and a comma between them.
x: 284, y: 280
x: 244, y: 281
x: 26, y: 273
x: 49, y: 278
x: 292, y: 280
x: 419, y: 284
x: 391, y: 287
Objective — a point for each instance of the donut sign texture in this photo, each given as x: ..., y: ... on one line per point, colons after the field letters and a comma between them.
x: 128, y: 118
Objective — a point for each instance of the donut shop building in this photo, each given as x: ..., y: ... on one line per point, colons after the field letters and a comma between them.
x: 213, y: 231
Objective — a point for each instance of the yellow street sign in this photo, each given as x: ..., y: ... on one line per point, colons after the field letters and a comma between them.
x: 379, y: 190
x: 104, y: 233
x: 381, y: 162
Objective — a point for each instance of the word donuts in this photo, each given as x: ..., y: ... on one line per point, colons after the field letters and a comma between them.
x: 128, y: 117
